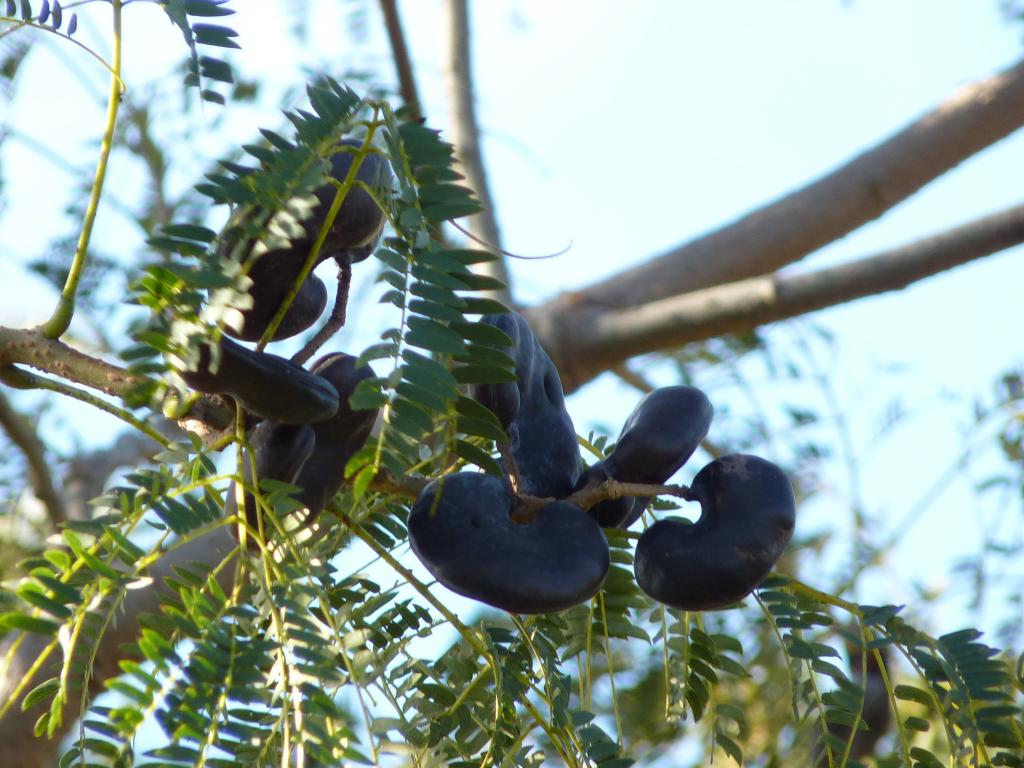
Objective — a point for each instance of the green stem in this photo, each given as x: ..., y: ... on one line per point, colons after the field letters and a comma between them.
x: 890, y: 691
x: 799, y: 588
x: 418, y: 585
x: 26, y: 380
x: 343, y: 188
x: 611, y: 668
x: 65, y: 309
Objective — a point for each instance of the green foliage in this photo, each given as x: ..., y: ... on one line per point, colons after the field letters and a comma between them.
x: 323, y: 647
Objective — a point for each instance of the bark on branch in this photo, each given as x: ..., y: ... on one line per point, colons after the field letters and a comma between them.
x: 403, y: 62
x: 464, y: 133
x: 22, y: 433
x: 783, y: 231
x: 28, y: 346
x: 589, y: 342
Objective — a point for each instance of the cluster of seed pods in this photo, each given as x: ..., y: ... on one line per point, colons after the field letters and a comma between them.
x: 307, y: 431
x: 465, y: 529
x: 470, y: 529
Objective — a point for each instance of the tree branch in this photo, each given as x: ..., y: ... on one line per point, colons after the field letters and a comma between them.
x: 23, y: 435
x: 16, y: 727
x: 592, y: 341
x: 464, y: 133
x: 788, y: 229
x: 403, y: 62
x: 28, y: 346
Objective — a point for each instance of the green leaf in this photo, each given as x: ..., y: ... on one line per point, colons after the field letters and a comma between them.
x: 478, y: 456
x: 423, y: 397
x: 916, y: 724
x: 480, y: 427
x: 431, y: 335
x: 484, y: 374
x: 910, y: 693
x: 31, y: 594
x: 206, y: 8
x: 24, y: 623
x: 216, y: 35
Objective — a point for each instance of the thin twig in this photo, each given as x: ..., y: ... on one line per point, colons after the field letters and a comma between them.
x: 526, y: 508
x: 23, y: 435
x: 26, y: 380
x: 465, y: 135
x: 60, y: 320
x: 403, y: 62
x: 337, y: 319
x: 511, y: 467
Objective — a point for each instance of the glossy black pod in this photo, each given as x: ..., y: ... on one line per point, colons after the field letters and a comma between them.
x: 660, y: 435
x: 337, y: 438
x: 353, y: 235
x: 542, y: 438
x: 264, y: 384
x: 470, y: 543
x: 279, y: 451
x: 273, y: 274
x: 747, y: 517
x: 356, y: 229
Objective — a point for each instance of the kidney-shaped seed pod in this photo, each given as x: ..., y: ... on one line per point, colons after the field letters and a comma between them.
x: 470, y: 543
x: 357, y: 227
x: 659, y: 437
x: 273, y: 274
x: 747, y: 518
x: 264, y: 384
x: 542, y: 438
x: 337, y: 438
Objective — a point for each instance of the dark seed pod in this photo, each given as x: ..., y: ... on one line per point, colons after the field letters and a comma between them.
x: 313, y: 456
x: 532, y: 410
x: 470, y: 543
x: 357, y: 227
x: 58, y: 14
x: 353, y: 235
x: 273, y: 274
x: 280, y: 451
x: 44, y: 12
x: 659, y: 437
x: 747, y: 517
x: 264, y: 384
x: 337, y: 438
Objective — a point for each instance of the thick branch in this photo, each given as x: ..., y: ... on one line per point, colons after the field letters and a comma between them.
x: 788, y: 229
x: 465, y: 135
x: 28, y: 346
x: 23, y: 435
x: 403, y: 63
x: 598, y: 340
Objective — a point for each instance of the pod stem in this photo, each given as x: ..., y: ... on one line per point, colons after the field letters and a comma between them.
x: 337, y: 319
x: 343, y: 188
x: 525, y: 508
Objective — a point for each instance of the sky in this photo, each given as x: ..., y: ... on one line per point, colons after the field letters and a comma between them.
x: 620, y: 135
